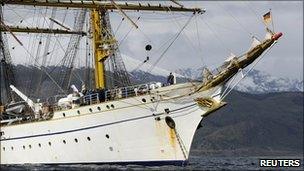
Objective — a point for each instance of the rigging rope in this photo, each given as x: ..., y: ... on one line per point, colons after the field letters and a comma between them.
x: 187, y: 38
x: 198, y: 49
x: 254, y: 12
x: 145, y: 35
x: 217, y: 37
x: 37, y: 57
x: 122, y: 19
x: 250, y: 69
x: 77, y: 76
x: 88, y: 58
x: 21, y: 17
x: 61, y: 47
x: 236, y: 20
x: 162, y: 55
x: 37, y: 66
x: 231, y: 81
x: 124, y: 38
x: 45, y: 52
x: 199, y: 42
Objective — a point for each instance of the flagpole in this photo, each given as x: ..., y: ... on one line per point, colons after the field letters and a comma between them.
x: 271, y: 20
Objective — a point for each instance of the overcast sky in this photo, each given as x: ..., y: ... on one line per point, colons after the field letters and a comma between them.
x: 209, y: 38
x: 226, y: 27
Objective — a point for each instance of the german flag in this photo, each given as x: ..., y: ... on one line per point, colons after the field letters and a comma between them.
x: 267, y: 18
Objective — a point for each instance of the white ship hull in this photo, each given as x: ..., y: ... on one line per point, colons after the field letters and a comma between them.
x: 127, y: 131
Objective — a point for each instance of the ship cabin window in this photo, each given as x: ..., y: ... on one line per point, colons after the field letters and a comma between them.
x: 30, y: 146
x: 107, y: 136
x: 39, y: 145
x: 50, y: 143
x: 89, y: 139
x: 12, y: 148
x: 112, y: 106
x: 3, y: 148
x: 143, y: 100
x: 98, y: 108
x: 76, y: 140
x: 78, y: 111
x: 64, y: 142
x: 108, y: 107
x: 23, y: 147
x: 90, y: 110
x: 63, y: 114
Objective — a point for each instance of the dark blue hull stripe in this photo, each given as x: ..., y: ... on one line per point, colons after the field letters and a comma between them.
x: 96, y: 126
x: 142, y: 163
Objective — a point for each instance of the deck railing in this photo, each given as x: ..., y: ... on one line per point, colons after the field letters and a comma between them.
x: 91, y: 98
x: 119, y: 93
x: 130, y: 91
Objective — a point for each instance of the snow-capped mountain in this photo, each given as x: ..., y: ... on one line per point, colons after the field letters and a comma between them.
x: 255, y: 82
x: 259, y: 82
x: 190, y: 72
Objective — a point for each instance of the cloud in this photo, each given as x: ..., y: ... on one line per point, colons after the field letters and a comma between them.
x: 225, y: 27
x: 209, y: 38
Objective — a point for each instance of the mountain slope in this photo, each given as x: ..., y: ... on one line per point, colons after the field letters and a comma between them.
x: 268, y: 124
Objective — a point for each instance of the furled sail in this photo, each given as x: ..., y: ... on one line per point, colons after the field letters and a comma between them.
x: 255, y: 42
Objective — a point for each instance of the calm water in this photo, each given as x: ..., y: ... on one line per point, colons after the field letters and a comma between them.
x: 196, y: 163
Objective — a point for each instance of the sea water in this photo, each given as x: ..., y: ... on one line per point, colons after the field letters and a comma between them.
x: 195, y: 163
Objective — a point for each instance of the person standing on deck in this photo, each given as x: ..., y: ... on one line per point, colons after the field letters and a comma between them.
x: 170, y: 79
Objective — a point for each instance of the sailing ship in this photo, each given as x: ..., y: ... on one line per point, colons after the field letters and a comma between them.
x: 147, y: 124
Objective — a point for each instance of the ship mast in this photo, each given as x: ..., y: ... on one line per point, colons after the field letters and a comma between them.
x: 102, y: 42
x: 101, y: 45
x: 6, y: 69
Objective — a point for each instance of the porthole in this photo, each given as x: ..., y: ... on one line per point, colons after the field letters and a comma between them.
x: 170, y: 122
x: 12, y: 148
x: 63, y: 114
x: 107, y: 136
x: 112, y: 106
x: 39, y: 145
x: 90, y: 110
x: 108, y: 107
x: 23, y: 147
x: 3, y: 148
x: 89, y: 139
x: 143, y: 100
x: 111, y: 148
x: 98, y: 108
x: 64, y: 142
x: 76, y: 140
x: 50, y: 143
x: 78, y: 112
x: 30, y: 146
x: 157, y: 119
